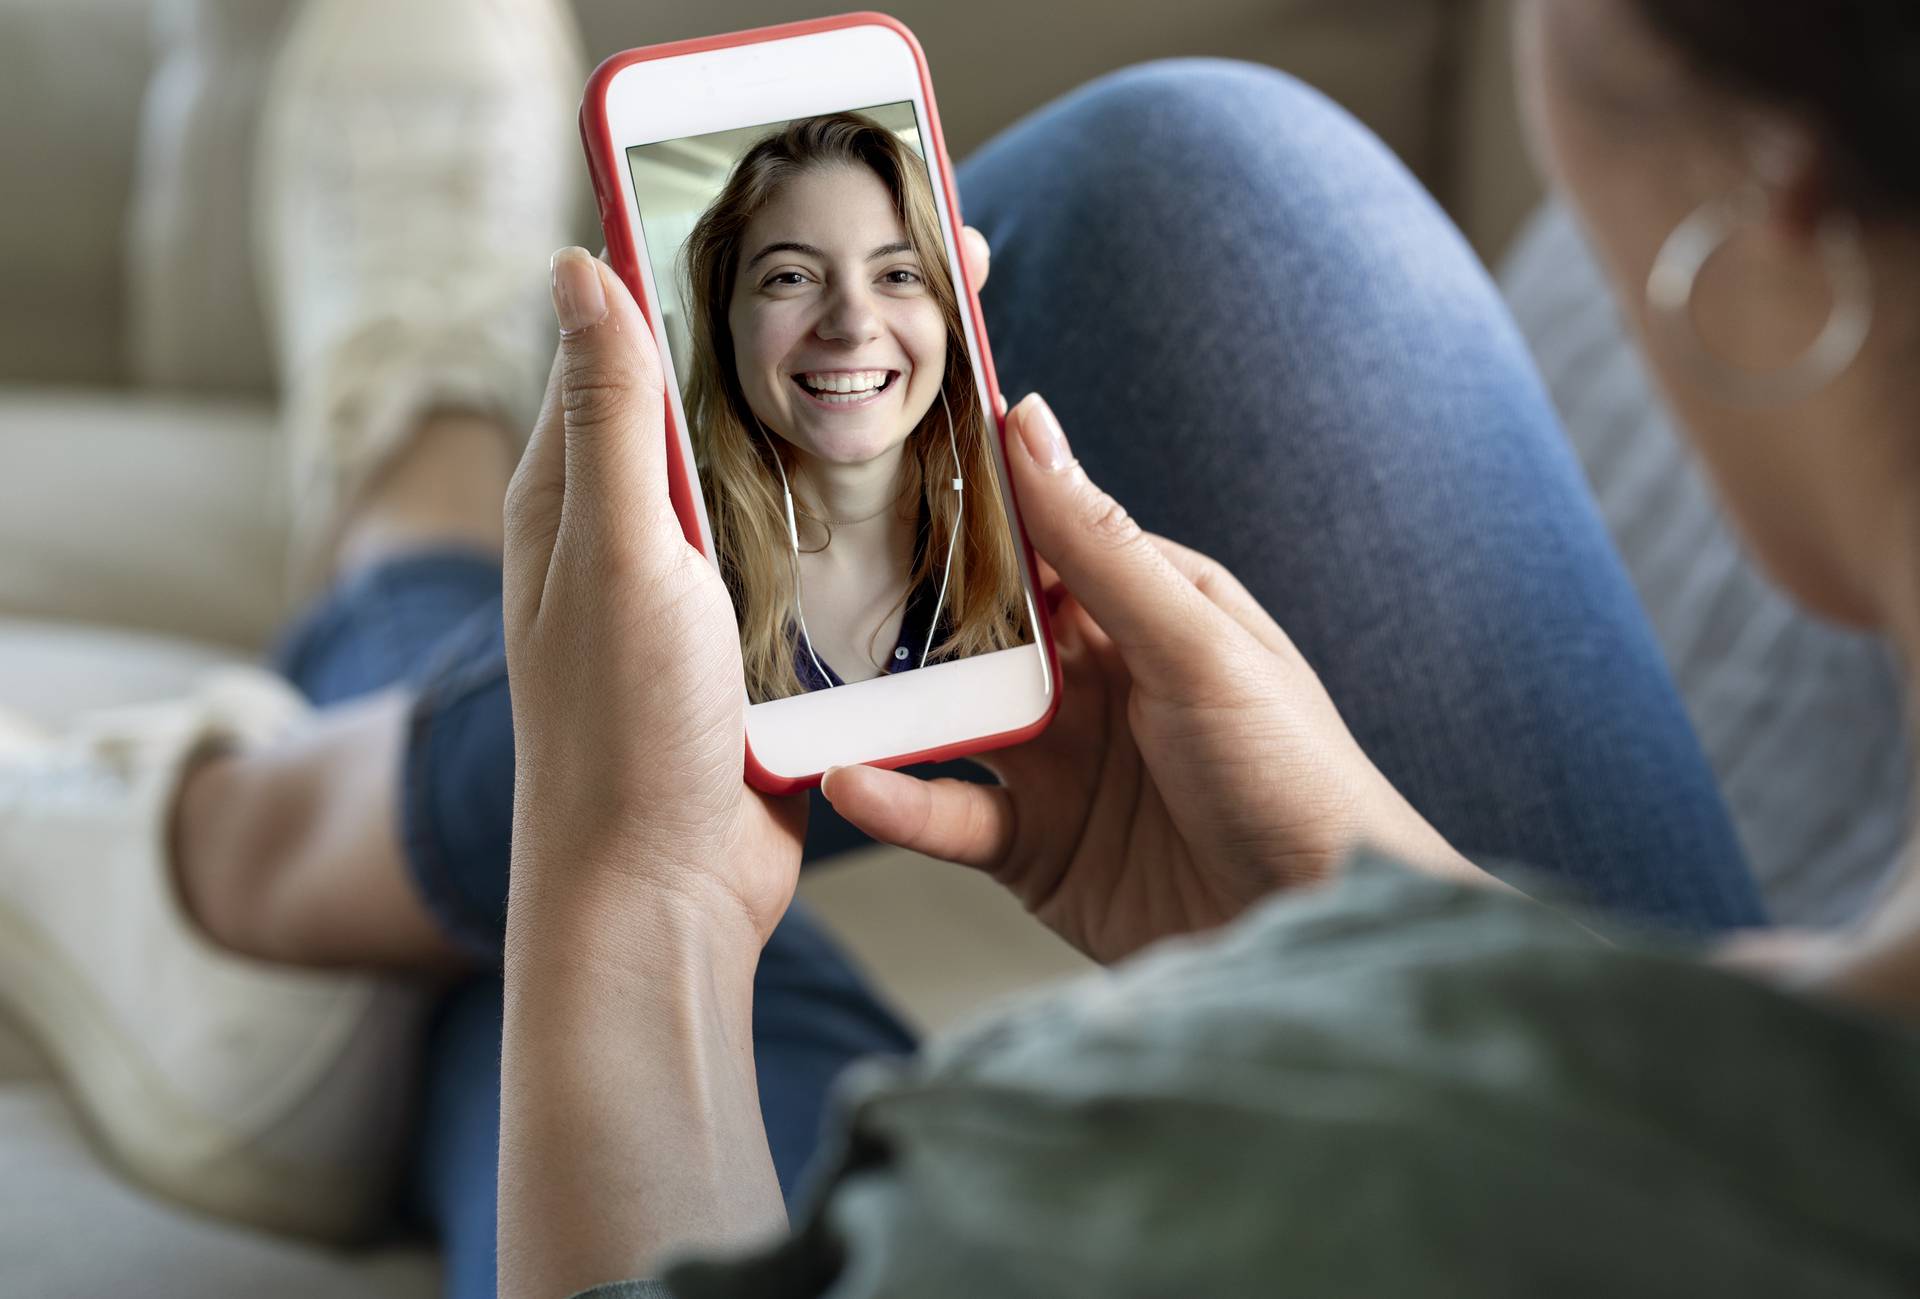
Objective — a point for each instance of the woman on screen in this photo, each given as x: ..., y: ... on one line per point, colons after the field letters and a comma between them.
x: 840, y: 439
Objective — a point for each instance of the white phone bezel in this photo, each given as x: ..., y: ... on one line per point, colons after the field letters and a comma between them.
x: 944, y: 705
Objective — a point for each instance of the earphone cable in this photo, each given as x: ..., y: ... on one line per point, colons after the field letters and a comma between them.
x: 959, y: 513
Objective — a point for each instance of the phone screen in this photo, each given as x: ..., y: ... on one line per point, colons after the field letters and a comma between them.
x: 846, y: 457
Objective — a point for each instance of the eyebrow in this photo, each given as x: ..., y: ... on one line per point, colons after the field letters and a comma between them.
x: 808, y: 250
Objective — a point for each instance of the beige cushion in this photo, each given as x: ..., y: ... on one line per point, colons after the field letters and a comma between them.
x: 156, y: 515
x: 193, y: 317
x: 71, y: 77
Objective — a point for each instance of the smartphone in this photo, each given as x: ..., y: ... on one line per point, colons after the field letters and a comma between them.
x: 782, y: 206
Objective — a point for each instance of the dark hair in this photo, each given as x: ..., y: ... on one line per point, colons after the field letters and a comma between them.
x: 1849, y: 68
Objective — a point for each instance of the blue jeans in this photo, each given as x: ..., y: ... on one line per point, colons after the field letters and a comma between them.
x: 1270, y: 344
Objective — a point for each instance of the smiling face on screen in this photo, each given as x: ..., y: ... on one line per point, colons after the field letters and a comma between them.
x: 839, y: 345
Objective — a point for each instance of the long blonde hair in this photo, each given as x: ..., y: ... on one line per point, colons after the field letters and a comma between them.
x: 986, y: 606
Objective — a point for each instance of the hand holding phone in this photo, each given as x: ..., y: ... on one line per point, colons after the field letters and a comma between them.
x: 623, y: 643
x: 781, y: 205
x: 1196, y: 765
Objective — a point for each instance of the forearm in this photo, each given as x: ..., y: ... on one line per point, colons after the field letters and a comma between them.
x: 630, y: 1117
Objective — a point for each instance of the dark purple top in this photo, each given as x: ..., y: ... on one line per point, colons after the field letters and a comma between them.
x: 906, y: 652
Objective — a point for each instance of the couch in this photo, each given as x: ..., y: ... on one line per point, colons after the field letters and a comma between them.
x: 141, y: 534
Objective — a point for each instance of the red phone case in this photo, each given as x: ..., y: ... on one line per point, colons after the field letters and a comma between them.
x: 623, y: 256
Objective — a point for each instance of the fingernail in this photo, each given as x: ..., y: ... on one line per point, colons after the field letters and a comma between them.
x: 579, y: 300
x: 825, y: 776
x: 1046, y: 441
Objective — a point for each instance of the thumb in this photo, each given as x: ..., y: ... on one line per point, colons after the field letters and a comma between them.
x: 611, y: 400
x: 1158, y: 620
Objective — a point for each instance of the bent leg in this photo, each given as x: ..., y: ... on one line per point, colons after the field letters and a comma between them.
x: 813, y: 1012
x: 1269, y: 343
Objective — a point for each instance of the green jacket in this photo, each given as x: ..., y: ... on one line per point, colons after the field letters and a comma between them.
x: 1393, y: 1087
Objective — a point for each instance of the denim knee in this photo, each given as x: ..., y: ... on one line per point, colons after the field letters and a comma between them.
x: 1198, y: 104
x: 1183, y: 146
x: 1226, y: 219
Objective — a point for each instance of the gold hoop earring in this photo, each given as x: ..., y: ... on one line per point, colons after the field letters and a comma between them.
x: 1675, y: 281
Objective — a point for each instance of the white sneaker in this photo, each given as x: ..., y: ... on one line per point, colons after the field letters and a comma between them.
x: 418, y: 165
x: 265, y: 1094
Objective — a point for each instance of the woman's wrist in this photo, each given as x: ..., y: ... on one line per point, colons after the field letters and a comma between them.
x: 621, y: 918
x: 630, y: 1110
x: 613, y: 884
x: 677, y: 963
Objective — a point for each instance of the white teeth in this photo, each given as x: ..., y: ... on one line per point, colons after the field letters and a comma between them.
x: 862, y: 382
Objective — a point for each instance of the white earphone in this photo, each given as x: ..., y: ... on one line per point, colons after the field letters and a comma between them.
x: 946, y: 571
